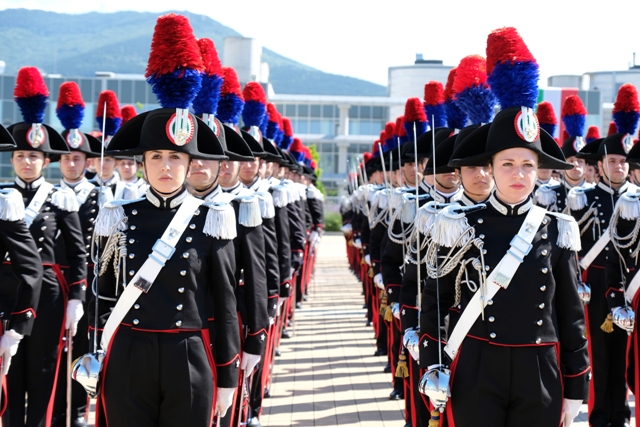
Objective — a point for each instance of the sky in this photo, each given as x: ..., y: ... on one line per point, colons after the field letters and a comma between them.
x: 363, y: 39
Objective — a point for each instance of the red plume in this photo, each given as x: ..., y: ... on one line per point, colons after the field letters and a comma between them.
x: 414, y: 111
x: 593, y: 133
x: 297, y: 146
x: 375, y: 147
x: 230, y: 83
x: 612, y: 128
x: 273, y: 112
x: 253, y: 91
x: 128, y: 113
x: 29, y: 82
x: 389, y: 130
x: 113, y: 107
x: 546, y: 114
x: 448, y: 90
x: 288, y: 129
x: 573, y: 105
x: 472, y: 71
x: 506, y: 45
x: 400, y: 130
x: 433, y: 93
x: 367, y: 156
x: 70, y: 95
x: 210, y: 59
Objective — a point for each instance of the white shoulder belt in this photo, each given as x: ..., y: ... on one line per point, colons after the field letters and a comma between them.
x: 32, y: 211
x: 595, y: 250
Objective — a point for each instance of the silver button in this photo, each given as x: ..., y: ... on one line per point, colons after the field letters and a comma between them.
x: 543, y: 288
x: 88, y: 237
x: 492, y: 335
x: 132, y: 272
x: 132, y: 256
x: 602, y: 221
x: 39, y: 249
x: 179, y: 307
x: 136, y: 306
x: 41, y: 239
x: 599, y: 205
x: 197, y: 212
x: 91, y: 219
x: 541, y: 306
x: 179, y: 323
x: 185, y: 255
x: 93, y: 202
x: 44, y: 227
x: 538, y: 341
x: 558, y: 194
x: 490, y: 302
x: 90, y: 229
x: 47, y: 208
x: 136, y: 321
x: 189, y: 239
x: 492, y: 319
x: 46, y: 217
x: 132, y: 241
x: 539, y: 323
x: 597, y: 197
x: 481, y: 236
x: 192, y: 226
x: 135, y: 212
x: 181, y: 290
x: 544, y: 252
x: 601, y: 213
x: 487, y: 268
x: 93, y: 211
x: 480, y: 220
x: 606, y: 248
x: 544, y: 235
x: 132, y: 227
x: 87, y: 246
x: 545, y: 220
x: 484, y: 252
x: 544, y: 270
x: 183, y: 272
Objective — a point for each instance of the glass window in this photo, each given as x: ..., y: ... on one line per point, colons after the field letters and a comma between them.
x: 327, y: 111
x: 89, y: 122
x: 140, y: 91
x: 8, y: 113
x: 354, y: 127
x: 303, y: 125
x: 365, y: 112
x: 376, y: 127
x: 125, y: 96
x: 280, y: 108
x: 113, y: 84
x: 303, y: 110
x: 290, y: 110
x: 377, y: 113
x: 151, y: 97
x: 86, y: 89
x: 365, y: 127
x: 314, y: 126
x: 54, y: 88
x: 353, y: 112
x: 328, y: 127
x: 315, y: 111
x: 8, y: 82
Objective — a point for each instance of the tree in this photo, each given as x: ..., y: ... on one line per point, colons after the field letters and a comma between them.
x: 316, y: 158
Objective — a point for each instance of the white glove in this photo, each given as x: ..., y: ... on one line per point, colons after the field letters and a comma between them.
x: 377, y: 279
x: 249, y: 362
x: 272, y: 320
x: 347, y: 228
x: 8, y: 348
x: 570, y: 410
x: 74, y: 314
x: 224, y: 400
x: 280, y: 302
x: 367, y: 259
x: 314, y: 238
x: 395, y: 309
x: 357, y: 243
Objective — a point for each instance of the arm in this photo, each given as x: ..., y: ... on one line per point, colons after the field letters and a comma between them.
x: 271, y: 264
x: 71, y: 231
x: 284, y: 249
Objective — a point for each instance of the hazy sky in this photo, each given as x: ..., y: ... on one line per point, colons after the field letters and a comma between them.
x: 363, y: 38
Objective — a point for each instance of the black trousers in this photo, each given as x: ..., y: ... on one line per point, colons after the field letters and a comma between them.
x: 158, y: 380
x: 419, y: 411
x: 505, y: 386
x: 608, y: 352
x: 33, y: 367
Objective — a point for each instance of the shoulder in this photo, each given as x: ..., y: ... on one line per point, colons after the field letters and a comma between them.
x: 567, y: 229
x: 112, y: 216
x: 221, y: 219
x: 64, y: 198
x: 11, y: 205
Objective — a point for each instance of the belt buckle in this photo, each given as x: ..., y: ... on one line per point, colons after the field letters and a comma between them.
x: 163, y: 248
x: 519, y: 243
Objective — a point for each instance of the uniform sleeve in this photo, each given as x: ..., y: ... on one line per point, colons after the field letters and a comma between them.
x: 297, y: 233
x: 317, y: 216
x: 71, y: 231
x: 227, y: 336
x: 375, y: 242
x: 614, y: 268
x: 408, y: 297
x: 391, y: 261
x: 284, y: 250
x: 272, y: 268
x: 27, y: 267
x: 574, y: 358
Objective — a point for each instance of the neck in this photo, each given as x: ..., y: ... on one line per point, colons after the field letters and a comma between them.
x: 476, y: 197
x: 72, y: 180
x: 168, y: 195
x: 204, y: 191
x: 573, y: 182
x: 605, y: 179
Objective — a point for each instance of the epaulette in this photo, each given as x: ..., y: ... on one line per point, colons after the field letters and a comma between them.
x: 302, y: 191
x: 568, y: 232
x: 382, y: 199
x: 266, y: 205
x: 279, y: 195
x: 425, y: 218
x: 65, y: 199
x: 546, y: 194
x: 293, y: 195
x: 249, y: 212
x: 314, y: 193
x: 11, y: 205
x: 577, y: 198
x: 395, y: 198
x: 450, y: 228
x: 105, y: 196
x: 345, y: 204
x: 221, y: 220
x: 628, y: 206
x: 111, y: 217
x: 408, y: 208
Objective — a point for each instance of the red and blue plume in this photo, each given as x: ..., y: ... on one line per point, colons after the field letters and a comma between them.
x: 297, y: 150
x: 287, y: 137
x: 272, y: 124
x: 31, y: 94
x: 313, y: 165
x: 255, y: 104
x: 264, y: 124
x: 592, y: 133
x: 512, y: 70
x: 471, y: 90
x: 434, y: 104
x: 231, y: 100
x: 280, y: 132
x: 456, y: 117
x: 612, y: 128
x: 128, y: 112
x: 414, y: 117
x: 70, y: 109
x: 307, y: 156
x: 175, y: 66
x: 206, y: 102
x: 547, y: 117
x: 383, y: 141
x: 401, y: 132
x: 376, y: 148
x: 367, y: 156
x: 574, y: 116
x: 626, y: 110
x: 390, y: 139
x: 114, y: 116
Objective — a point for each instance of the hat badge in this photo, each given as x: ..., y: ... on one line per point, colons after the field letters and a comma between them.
x: 212, y: 122
x: 255, y: 133
x: 180, y: 127
x: 579, y: 143
x: 74, y: 139
x: 36, y: 136
x: 627, y: 143
x: 526, y: 125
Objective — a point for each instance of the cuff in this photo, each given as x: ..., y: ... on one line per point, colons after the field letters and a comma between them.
x: 256, y: 342
x: 22, y: 321
x: 227, y: 373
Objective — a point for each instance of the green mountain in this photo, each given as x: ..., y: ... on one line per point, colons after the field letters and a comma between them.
x: 80, y: 45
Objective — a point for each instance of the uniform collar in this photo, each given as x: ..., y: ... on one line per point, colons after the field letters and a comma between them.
x: 441, y: 198
x: 467, y: 201
x: 29, y: 186
x: 75, y: 186
x: 233, y: 190
x: 569, y: 186
x: 115, y: 178
x: 623, y: 188
x: 256, y: 184
x: 166, y: 203
x: 425, y: 187
x: 510, y: 210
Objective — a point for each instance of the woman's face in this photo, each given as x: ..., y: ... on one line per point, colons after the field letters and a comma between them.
x: 514, y: 172
x: 166, y: 170
x: 28, y: 164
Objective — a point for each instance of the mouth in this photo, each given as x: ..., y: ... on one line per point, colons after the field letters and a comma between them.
x: 517, y: 186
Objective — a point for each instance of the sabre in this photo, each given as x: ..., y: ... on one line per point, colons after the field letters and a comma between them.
x: 384, y: 170
x: 69, y: 380
x: 96, y: 259
x: 433, y: 154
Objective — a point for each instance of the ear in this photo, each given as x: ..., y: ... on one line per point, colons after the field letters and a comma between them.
x: 46, y: 162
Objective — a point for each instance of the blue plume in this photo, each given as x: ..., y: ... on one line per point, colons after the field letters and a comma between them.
x: 515, y: 84
x: 253, y: 113
x: 421, y: 127
x: 206, y: 102
x: 478, y: 102
x: 438, y: 113
x: 176, y: 89
x: 71, y: 116
x: 391, y: 144
x: 229, y: 108
x: 272, y: 130
x: 285, y: 142
x: 111, y: 125
x: 574, y: 124
x: 456, y: 118
x: 264, y: 124
x: 298, y: 156
x: 32, y: 108
x: 626, y: 121
x: 278, y: 137
x: 549, y: 127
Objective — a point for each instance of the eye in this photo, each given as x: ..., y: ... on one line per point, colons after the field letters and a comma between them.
x: 155, y: 156
x: 507, y: 164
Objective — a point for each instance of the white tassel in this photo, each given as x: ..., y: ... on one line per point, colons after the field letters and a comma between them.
x: 11, y: 205
x: 629, y: 206
x: 105, y: 196
x: 279, y: 195
x: 395, y: 199
x: 266, y: 205
x: 383, y: 200
x: 568, y: 232
x: 293, y: 193
x: 448, y: 227
x: 220, y: 222
x: 310, y: 193
x: 545, y: 196
x: 425, y: 219
x: 408, y: 211
x: 111, y: 218
x: 249, y: 214
x: 576, y: 199
x: 65, y: 199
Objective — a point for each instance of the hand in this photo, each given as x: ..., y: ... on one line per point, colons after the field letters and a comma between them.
x: 296, y: 260
x: 280, y: 302
x: 570, y: 410
x: 8, y: 348
x: 314, y: 238
x: 224, y: 400
x: 367, y: 259
x: 357, y: 243
x: 249, y: 362
x: 74, y: 314
x: 377, y: 279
